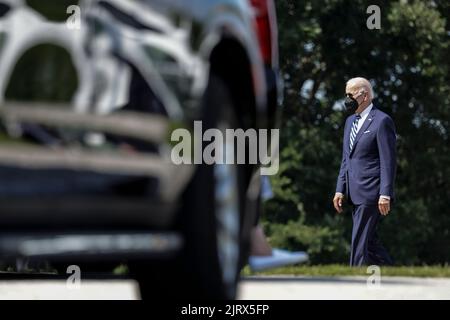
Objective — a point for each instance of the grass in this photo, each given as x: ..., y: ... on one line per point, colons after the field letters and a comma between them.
x: 435, y: 271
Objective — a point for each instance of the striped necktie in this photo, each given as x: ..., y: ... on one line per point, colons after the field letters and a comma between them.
x: 354, y: 131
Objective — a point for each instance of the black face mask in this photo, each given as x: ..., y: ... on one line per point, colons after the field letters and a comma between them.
x: 351, y: 103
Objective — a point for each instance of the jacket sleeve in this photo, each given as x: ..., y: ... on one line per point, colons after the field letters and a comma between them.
x: 386, y: 140
x: 341, y: 181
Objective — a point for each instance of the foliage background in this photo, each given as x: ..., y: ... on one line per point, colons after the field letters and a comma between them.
x: 323, y: 43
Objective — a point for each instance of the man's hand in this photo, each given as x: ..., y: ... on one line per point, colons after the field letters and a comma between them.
x: 384, y: 205
x: 338, y: 201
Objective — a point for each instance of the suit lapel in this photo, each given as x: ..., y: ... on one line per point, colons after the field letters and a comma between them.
x: 364, y: 127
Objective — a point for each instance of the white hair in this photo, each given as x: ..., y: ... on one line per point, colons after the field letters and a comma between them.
x: 361, y: 82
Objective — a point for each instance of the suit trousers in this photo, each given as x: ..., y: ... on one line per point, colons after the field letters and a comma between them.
x: 366, y: 247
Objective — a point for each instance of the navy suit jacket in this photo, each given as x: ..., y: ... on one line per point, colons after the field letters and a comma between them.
x: 368, y: 170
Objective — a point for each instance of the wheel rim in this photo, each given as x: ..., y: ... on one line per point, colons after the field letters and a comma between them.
x: 227, y: 216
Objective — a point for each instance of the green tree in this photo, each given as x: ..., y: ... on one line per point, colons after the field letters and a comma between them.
x: 323, y: 44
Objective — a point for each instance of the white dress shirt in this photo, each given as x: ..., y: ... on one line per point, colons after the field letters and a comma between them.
x: 364, y: 115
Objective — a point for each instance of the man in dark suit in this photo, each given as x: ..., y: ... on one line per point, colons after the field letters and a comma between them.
x: 367, y: 172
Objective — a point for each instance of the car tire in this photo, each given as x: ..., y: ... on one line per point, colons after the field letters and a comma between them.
x: 210, y: 220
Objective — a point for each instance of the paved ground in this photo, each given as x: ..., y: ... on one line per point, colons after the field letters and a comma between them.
x: 297, y: 288
x: 59, y: 290
x: 343, y: 288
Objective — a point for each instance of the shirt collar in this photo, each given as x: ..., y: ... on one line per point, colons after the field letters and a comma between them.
x: 366, y: 111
